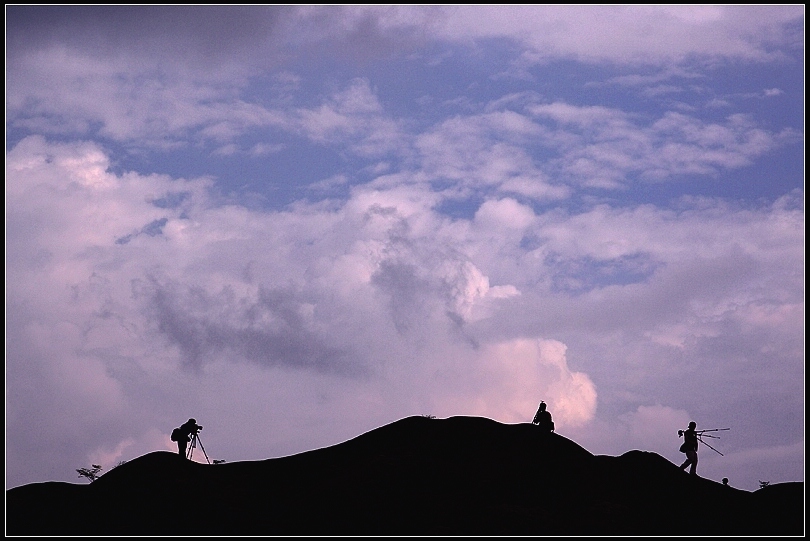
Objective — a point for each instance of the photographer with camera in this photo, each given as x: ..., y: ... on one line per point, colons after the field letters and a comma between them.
x: 184, y: 433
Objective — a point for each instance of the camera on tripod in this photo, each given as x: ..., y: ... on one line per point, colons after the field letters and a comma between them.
x: 195, y: 439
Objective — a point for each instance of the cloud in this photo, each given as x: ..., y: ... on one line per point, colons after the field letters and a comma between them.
x: 421, y: 313
x: 504, y: 214
x: 652, y: 428
x: 469, y: 240
x: 121, y: 73
x: 506, y: 380
x: 354, y: 116
x: 587, y: 33
x: 274, y: 327
x: 102, y: 96
x: 660, y: 33
x: 606, y: 148
x: 587, y: 28
x: 207, y: 38
x: 486, y: 151
x: 373, y: 302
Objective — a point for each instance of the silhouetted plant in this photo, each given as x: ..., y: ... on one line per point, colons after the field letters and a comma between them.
x: 219, y: 461
x: 120, y: 463
x: 763, y: 484
x: 429, y: 416
x: 90, y: 473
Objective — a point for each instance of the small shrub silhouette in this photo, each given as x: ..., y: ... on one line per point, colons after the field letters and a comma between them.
x: 90, y: 473
x: 763, y: 484
x: 429, y: 416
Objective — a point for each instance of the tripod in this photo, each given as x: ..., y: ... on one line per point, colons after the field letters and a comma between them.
x: 195, y: 439
x: 701, y: 435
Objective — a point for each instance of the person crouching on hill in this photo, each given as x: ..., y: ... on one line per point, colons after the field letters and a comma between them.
x: 543, y: 419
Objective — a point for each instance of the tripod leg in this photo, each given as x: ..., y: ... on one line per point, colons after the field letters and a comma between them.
x: 203, y: 450
x: 712, y: 448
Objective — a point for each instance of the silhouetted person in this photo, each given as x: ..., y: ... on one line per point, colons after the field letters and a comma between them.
x: 543, y: 418
x: 725, y: 482
x: 689, y: 446
x: 186, y: 430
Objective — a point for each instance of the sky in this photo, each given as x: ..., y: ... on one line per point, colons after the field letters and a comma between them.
x: 298, y: 224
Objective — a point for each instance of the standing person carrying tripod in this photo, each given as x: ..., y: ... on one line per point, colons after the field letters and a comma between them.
x: 690, y: 446
x: 182, y: 435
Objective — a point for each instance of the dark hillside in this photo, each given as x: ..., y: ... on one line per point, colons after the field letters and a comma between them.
x: 456, y: 476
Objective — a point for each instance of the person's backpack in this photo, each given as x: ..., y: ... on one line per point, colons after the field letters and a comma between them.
x: 177, y: 434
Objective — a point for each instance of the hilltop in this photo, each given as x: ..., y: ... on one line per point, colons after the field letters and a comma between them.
x: 415, y: 476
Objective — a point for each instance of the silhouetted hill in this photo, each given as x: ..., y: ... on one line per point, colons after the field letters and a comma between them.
x: 417, y: 476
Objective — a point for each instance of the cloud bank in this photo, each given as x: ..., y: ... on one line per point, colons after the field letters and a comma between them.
x: 336, y: 217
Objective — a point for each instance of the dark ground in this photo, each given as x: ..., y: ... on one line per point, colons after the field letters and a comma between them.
x: 416, y: 476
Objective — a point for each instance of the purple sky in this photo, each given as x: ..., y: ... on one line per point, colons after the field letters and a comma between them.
x: 299, y: 224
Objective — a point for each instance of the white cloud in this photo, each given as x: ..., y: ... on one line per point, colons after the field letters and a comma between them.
x: 354, y: 116
x: 64, y: 91
x: 486, y: 151
x: 505, y: 381
x: 604, y: 148
x: 654, y: 33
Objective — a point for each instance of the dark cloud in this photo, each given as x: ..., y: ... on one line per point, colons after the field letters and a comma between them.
x: 204, y: 34
x: 356, y: 35
x: 270, y: 330
x: 407, y: 293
